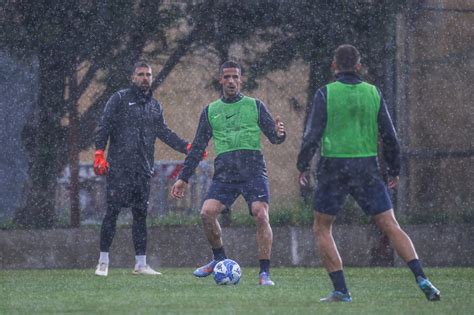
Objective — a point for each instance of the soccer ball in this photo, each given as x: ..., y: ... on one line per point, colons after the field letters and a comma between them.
x: 227, y: 272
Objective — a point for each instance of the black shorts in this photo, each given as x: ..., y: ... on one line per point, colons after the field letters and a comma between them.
x: 255, y: 189
x: 128, y: 189
x: 359, y: 177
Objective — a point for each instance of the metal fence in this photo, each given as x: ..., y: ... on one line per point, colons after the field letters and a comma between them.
x: 92, y: 192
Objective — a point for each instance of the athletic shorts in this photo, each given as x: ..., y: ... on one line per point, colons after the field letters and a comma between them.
x: 128, y: 189
x: 256, y: 189
x: 358, y: 177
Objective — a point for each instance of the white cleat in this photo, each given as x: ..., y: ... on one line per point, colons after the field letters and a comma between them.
x: 102, y: 270
x: 145, y: 270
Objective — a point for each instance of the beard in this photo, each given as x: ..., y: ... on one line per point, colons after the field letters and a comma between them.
x: 143, y: 86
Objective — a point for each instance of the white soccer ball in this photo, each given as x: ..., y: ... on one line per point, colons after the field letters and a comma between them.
x: 227, y: 272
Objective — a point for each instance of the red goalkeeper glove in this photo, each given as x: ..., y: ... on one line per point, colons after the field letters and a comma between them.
x: 204, y: 154
x: 101, y: 166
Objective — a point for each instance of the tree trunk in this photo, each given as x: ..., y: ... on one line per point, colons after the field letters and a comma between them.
x: 73, y: 150
x: 43, y: 138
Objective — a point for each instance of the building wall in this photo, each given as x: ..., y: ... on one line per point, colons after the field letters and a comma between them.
x: 434, y: 110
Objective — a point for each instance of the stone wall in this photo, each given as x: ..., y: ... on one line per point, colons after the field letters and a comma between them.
x: 438, y: 246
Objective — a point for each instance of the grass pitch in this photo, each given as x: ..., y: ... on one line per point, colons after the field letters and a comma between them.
x: 297, y: 291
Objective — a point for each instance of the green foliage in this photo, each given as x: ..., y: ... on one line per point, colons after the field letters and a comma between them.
x: 467, y: 216
x: 311, y: 30
x: 292, y: 213
x: 442, y: 216
x: 351, y: 213
x: 175, y: 219
x: 8, y: 225
x: 297, y: 290
x: 296, y: 214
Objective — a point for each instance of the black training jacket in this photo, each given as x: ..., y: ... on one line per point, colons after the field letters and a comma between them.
x: 132, y: 120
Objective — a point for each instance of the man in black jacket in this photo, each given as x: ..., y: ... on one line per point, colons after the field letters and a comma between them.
x: 131, y: 122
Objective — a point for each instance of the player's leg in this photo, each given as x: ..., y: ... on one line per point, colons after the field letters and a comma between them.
x: 403, y: 245
x: 139, y: 199
x: 139, y: 237
x: 256, y: 192
x: 264, y: 237
x: 322, y: 229
x: 399, y: 239
x: 372, y: 195
x: 107, y: 233
x: 328, y: 199
x: 264, y: 230
x: 330, y: 257
x: 209, y: 213
x: 118, y: 193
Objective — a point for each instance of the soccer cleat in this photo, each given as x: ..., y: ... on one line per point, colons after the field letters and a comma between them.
x: 205, y: 270
x: 102, y: 270
x: 337, y: 296
x: 145, y: 270
x: 432, y: 294
x: 264, y: 279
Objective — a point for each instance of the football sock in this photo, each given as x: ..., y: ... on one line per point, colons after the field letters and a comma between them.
x: 104, y: 258
x: 338, y: 281
x: 264, y: 265
x: 415, y: 267
x: 219, y: 253
x: 140, y: 260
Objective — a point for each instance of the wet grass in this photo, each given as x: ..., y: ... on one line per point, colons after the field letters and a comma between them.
x: 297, y: 290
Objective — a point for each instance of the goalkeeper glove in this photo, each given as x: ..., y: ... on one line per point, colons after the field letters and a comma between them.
x: 101, y: 166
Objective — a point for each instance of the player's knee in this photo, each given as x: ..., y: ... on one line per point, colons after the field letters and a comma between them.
x: 208, y: 214
x: 321, y: 229
x: 261, y: 217
x: 389, y: 226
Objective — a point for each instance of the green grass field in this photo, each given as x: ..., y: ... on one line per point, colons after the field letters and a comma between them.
x: 297, y: 290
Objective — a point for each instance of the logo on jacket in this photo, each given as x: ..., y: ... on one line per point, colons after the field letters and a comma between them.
x: 131, y: 103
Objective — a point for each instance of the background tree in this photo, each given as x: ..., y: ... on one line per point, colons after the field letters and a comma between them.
x: 78, y: 43
x: 311, y: 30
x: 73, y: 41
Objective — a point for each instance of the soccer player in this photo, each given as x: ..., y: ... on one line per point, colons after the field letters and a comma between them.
x: 132, y: 120
x: 347, y: 117
x: 235, y: 123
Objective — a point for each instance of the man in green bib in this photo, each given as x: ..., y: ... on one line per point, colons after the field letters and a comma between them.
x: 347, y: 118
x: 235, y: 123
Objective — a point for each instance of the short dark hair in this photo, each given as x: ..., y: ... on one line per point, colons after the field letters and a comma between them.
x: 346, y: 57
x: 139, y: 64
x: 230, y: 64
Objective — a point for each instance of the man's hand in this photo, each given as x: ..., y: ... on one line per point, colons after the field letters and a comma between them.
x: 303, y: 178
x: 392, y: 182
x: 101, y: 166
x: 279, y: 126
x: 204, y: 154
x: 178, y: 189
